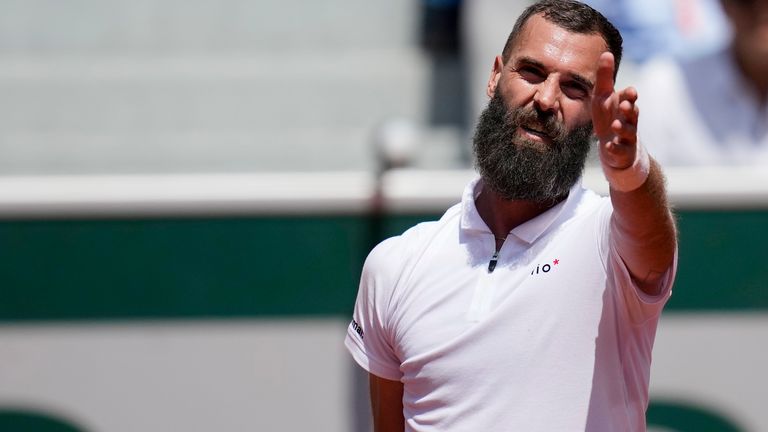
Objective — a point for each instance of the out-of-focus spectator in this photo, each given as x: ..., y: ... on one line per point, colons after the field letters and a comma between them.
x: 678, y: 28
x: 712, y: 110
x: 650, y: 28
x: 440, y: 25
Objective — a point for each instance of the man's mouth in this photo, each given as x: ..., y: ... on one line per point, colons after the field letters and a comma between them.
x: 535, y: 131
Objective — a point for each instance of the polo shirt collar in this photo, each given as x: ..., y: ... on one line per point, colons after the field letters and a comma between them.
x: 528, y: 231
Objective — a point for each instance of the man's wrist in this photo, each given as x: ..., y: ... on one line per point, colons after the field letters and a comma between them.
x: 632, y: 177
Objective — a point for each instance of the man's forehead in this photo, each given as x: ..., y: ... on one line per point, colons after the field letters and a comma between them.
x: 538, y: 25
x: 548, y: 42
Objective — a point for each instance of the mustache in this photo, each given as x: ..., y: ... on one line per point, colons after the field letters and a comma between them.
x: 537, y: 120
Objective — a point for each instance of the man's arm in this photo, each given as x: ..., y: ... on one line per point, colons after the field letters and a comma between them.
x: 386, y: 404
x: 643, y: 225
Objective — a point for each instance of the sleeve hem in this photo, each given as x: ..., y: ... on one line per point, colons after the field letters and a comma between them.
x: 646, y: 306
x: 665, y: 282
x: 375, y: 367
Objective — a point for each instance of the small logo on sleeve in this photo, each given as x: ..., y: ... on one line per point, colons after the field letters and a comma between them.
x: 357, y: 328
x: 545, y: 268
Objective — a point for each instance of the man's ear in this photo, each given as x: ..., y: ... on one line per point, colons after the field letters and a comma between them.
x: 493, y: 80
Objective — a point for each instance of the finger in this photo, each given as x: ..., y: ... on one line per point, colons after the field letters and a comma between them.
x: 626, y: 111
x: 629, y: 112
x: 629, y: 93
x: 604, y: 79
x: 617, y: 127
x: 626, y: 133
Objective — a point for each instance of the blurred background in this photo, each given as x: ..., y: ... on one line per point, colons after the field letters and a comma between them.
x: 188, y: 190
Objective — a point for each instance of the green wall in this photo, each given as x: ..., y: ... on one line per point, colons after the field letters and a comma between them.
x: 288, y: 266
x: 186, y: 268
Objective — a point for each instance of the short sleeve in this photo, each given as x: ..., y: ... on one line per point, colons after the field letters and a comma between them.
x: 639, y: 306
x: 369, y: 336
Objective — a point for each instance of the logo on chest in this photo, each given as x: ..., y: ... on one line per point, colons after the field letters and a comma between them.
x: 546, y: 267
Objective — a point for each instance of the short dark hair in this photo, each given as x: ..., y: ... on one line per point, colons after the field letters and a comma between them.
x: 573, y: 16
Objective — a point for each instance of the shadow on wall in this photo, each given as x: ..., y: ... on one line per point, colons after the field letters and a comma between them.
x: 35, y: 421
x: 682, y: 417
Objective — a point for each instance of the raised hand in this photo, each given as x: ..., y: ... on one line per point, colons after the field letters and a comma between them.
x: 614, y: 118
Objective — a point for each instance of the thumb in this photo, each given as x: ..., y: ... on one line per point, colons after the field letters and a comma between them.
x: 605, y: 70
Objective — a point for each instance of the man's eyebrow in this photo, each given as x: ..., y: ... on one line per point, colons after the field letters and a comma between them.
x: 525, y: 60
x: 581, y: 80
x: 530, y: 61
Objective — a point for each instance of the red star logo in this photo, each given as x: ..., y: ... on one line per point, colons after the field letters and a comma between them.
x: 556, y: 261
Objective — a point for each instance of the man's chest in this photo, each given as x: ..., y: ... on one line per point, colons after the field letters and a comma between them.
x: 535, y: 291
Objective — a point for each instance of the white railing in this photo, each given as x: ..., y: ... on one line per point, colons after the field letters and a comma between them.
x: 403, y: 191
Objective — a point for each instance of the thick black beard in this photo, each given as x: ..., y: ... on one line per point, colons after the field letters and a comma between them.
x: 519, y: 169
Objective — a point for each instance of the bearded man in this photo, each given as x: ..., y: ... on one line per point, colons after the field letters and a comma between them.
x: 532, y: 305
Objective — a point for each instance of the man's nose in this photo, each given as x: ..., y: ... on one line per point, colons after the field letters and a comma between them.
x: 547, y: 95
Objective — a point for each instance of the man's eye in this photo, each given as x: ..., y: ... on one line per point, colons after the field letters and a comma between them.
x: 531, y: 74
x: 574, y: 90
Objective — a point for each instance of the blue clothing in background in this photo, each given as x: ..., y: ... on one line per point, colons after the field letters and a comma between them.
x: 678, y: 28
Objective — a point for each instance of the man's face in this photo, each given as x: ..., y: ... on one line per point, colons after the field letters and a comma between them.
x: 532, y: 140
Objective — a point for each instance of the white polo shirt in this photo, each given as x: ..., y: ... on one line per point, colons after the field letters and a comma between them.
x: 556, y: 338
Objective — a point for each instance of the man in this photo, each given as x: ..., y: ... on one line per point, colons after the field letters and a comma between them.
x: 532, y: 305
x: 721, y: 98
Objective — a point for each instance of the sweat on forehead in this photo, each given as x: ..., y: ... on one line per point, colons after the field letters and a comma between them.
x: 573, y: 16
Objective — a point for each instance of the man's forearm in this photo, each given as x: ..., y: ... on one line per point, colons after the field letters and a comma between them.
x: 644, y: 229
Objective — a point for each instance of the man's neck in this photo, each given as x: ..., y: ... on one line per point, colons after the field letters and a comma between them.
x: 502, y: 215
